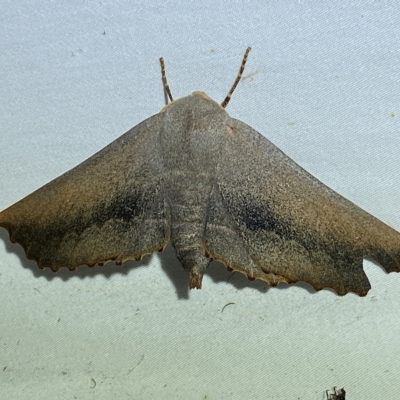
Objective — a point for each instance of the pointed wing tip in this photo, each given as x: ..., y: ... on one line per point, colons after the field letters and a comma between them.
x: 3, y: 223
x: 9, y: 216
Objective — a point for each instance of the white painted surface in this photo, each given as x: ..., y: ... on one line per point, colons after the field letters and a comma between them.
x: 323, y: 84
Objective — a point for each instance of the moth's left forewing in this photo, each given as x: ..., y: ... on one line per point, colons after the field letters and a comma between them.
x: 110, y: 207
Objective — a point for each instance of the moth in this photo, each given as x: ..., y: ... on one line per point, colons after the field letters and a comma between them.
x: 213, y: 187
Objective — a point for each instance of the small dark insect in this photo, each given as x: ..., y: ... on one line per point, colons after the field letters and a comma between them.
x: 215, y: 189
x: 336, y: 395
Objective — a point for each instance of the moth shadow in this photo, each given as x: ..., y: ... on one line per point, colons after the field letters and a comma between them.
x: 217, y: 272
x: 169, y: 264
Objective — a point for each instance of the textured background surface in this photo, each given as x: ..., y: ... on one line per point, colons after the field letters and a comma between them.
x: 322, y: 82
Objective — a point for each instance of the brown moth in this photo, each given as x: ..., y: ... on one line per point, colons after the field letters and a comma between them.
x: 213, y: 187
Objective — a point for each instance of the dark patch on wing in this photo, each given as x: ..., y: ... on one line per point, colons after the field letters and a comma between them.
x: 263, y: 218
x: 122, y: 210
x: 257, y: 218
